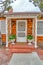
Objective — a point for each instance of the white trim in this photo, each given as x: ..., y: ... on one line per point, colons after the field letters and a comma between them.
x: 39, y: 20
x: 22, y: 16
x: 39, y: 34
x: 35, y: 32
x: 33, y: 27
x: 6, y: 33
x: 22, y: 31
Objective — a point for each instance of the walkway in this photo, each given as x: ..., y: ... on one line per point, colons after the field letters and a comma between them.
x: 25, y: 59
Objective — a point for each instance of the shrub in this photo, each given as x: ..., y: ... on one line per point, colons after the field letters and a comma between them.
x: 29, y: 37
x: 12, y: 37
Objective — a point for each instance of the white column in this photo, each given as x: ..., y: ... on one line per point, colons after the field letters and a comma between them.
x: 10, y: 26
x: 6, y: 33
x: 35, y: 32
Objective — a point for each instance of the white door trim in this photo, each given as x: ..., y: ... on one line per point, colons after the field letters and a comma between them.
x: 17, y: 28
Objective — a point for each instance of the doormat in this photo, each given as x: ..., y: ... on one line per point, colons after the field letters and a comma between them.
x: 25, y: 59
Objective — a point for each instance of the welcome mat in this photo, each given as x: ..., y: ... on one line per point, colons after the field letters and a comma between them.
x: 25, y: 59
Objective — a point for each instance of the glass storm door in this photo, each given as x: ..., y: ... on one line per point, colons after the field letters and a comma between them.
x: 21, y: 28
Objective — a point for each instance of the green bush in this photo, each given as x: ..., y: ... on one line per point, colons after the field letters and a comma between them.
x: 11, y: 37
x: 36, y: 1
x: 41, y: 5
x: 30, y: 37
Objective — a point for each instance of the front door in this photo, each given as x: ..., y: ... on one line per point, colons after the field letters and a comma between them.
x: 21, y: 29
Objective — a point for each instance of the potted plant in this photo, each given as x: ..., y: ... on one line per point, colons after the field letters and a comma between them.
x: 12, y: 38
x: 30, y: 39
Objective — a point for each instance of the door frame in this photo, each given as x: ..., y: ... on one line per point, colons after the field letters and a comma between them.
x: 17, y: 28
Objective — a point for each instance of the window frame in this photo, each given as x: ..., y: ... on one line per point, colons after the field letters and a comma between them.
x: 37, y: 29
x: 5, y: 27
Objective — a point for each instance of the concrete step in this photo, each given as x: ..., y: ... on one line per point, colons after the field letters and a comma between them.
x: 21, y: 47
x: 20, y: 50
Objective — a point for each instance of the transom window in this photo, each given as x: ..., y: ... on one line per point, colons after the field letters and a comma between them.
x: 40, y: 27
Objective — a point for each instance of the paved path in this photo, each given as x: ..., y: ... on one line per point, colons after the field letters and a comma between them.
x: 5, y: 56
x: 25, y: 59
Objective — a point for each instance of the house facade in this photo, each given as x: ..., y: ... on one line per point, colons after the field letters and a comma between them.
x: 22, y: 22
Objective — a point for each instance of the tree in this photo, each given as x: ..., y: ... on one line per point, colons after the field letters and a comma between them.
x: 41, y: 6
x: 5, y: 5
x: 39, y: 3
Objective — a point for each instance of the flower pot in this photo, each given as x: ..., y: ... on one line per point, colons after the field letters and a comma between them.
x: 29, y: 41
x: 12, y: 41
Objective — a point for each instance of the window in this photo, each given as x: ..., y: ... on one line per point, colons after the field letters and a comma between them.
x: 40, y: 27
x: 21, y: 26
x: 21, y: 34
x: 2, y: 26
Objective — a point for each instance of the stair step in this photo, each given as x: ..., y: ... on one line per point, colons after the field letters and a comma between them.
x: 21, y: 47
x: 20, y: 50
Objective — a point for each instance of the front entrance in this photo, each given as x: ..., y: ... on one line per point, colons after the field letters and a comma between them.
x: 21, y: 30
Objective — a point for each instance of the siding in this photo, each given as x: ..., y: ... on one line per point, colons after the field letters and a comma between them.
x: 39, y: 38
x: 2, y: 18
x: 13, y: 27
x: 3, y: 37
x: 29, y: 26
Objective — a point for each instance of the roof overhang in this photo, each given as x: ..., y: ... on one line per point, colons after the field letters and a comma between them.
x: 22, y: 13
